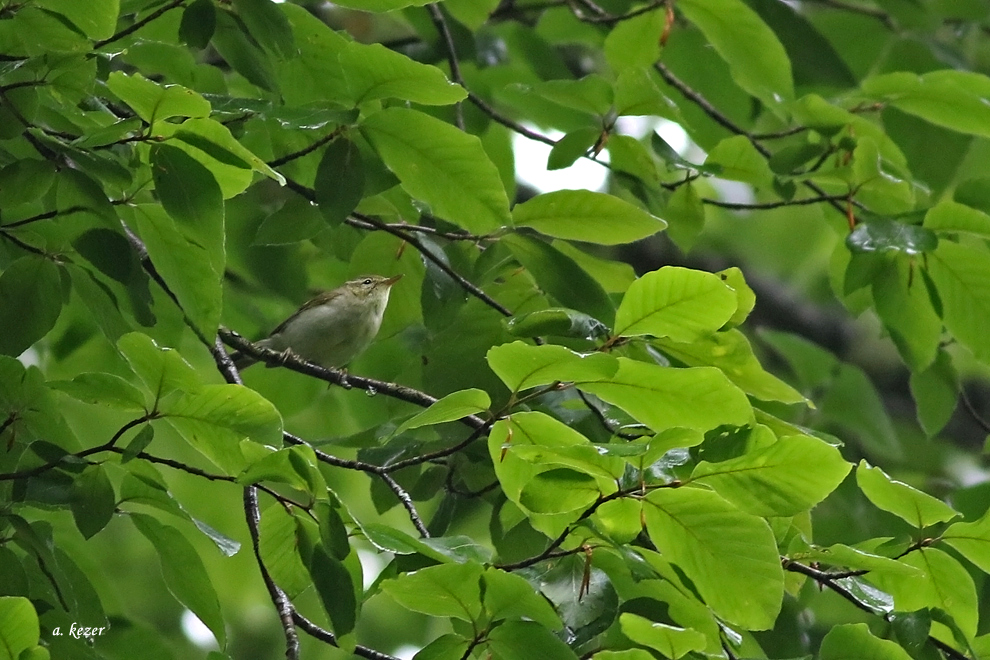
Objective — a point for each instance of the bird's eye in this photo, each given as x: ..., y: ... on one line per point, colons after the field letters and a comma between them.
x: 367, y: 282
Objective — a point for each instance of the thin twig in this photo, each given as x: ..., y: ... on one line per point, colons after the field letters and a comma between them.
x: 137, y: 25
x: 465, y: 284
x: 323, y: 635
x: 278, y: 597
x: 329, y: 137
x: 974, y: 413
x: 338, y: 376
x: 407, y: 502
x: 436, y: 15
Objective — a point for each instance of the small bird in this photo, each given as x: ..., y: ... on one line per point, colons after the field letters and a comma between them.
x: 334, y: 327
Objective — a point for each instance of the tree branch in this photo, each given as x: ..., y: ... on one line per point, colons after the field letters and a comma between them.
x: 281, y: 602
x: 137, y: 25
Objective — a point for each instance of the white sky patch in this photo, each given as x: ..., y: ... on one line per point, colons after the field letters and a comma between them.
x: 584, y: 174
x: 406, y: 652
x: 197, y: 632
x: 531, y: 166
x: 372, y: 564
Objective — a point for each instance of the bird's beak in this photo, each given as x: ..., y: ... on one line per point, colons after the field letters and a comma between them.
x: 392, y: 280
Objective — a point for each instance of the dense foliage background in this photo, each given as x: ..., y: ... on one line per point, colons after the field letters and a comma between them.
x: 707, y: 411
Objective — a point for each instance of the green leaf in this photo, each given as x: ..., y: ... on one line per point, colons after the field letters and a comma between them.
x: 97, y: 19
x: 661, y: 397
x: 635, y: 43
x: 315, y: 75
x: 583, y: 215
x: 905, y: 308
x: 558, y: 322
x: 296, y: 221
x: 730, y: 556
x: 279, y: 543
x: 583, y: 595
x: 953, y: 99
x: 559, y: 490
x: 613, y: 275
x: 738, y: 160
x: 471, y: 13
x: 199, y: 20
x: 184, y: 573
x: 216, y: 141
x: 526, y: 429
x: 856, y: 559
x: 731, y: 352
x: 452, y: 407
x: 936, y: 393
x: 917, y: 508
x: 339, y: 183
x: 953, y: 217
x: 962, y: 275
x: 757, y: 60
x: 508, y: 597
x: 521, y: 366
x: 93, y: 500
x: 447, y: 590
x: 268, y: 25
x: 572, y: 146
x: 883, y: 235
x: 790, y: 476
x: 31, y: 293
x: 374, y: 72
x: 162, y: 369
x: 637, y: 94
x: 971, y: 540
x: 685, y: 215
x: 445, y: 647
x: 561, y: 277
x: 276, y: 466
x: 852, y: 402
x: 138, y: 443
x: 192, y: 198
x: 336, y: 590
x: 184, y: 264
x: 591, y: 94
x: 847, y: 641
x: 813, y: 57
x: 940, y: 583
x: 675, y: 302
x: 242, y: 53
x: 216, y: 417
x: 671, y: 641
x: 19, y: 629
x: 153, y: 102
x: 524, y: 640
x: 441, y: 166
x: 381, y: 5
x: 24, y: 181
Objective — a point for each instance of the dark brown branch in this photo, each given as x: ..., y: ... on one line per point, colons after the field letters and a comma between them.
x: 441, y: 453
x: 436, y: 15
x: 27, y: 247
x: 804, y: 201
x: 109, y: 445
x: 328, y: 637
x: 973, y: 412
x: 329, y: 137
x: 338, y: 376
x: 137, y: 25
x: 47, y: 215
x: 465, y: 284
x: 406, y: 502
x: 278, y: 597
